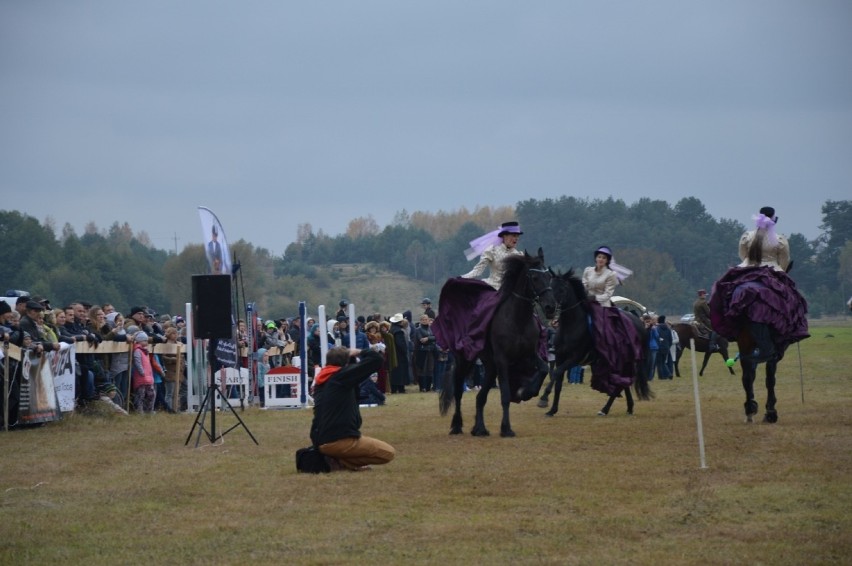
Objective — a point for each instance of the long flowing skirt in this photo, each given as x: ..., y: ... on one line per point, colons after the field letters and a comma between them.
x: 759, y: 294
x: 618, y: 346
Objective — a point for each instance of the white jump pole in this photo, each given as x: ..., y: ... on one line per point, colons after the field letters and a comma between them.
x: 303, y: 354
x: 323, y: 330
x: 698, y: 424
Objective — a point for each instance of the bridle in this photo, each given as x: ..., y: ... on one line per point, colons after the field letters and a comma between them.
x: 536, y: 293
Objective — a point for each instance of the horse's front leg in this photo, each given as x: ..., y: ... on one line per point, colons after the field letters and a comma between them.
x: 557, y: 390
x: 505, y: 399
x: 771, y: 415
x: 749, y: 372
x: 481, y: 398
x: 459, y: 374
x: 542, y: 401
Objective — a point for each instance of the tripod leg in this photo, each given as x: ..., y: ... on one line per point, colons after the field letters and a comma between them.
x: 240, y: 423
x: 206, y: 405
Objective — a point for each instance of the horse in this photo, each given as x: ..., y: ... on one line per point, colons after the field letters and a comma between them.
x: 763, y: 310
x: 511, y: 344
x: 574, y: 343
x: 685, y: 332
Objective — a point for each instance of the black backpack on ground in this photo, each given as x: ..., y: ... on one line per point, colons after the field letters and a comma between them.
x: 310, y: 460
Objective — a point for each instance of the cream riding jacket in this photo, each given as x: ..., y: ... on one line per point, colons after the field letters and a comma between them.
x: 492, y: 257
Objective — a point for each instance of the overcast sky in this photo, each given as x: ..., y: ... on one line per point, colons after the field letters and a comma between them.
x: 274, y: 114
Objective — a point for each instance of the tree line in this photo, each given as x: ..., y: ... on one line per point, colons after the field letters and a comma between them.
x: 673, y: 250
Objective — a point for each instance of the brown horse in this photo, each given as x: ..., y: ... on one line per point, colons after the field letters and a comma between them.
x: 686, y: 332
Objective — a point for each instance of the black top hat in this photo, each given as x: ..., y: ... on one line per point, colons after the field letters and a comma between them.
x: 769, y: 212
x: 510, y: 228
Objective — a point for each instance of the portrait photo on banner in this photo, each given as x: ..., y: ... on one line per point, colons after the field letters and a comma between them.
x: 215, y: 243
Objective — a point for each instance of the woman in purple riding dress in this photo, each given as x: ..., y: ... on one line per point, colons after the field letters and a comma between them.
x: 759, y: 292
x: 617, y: 342
x: 467, y: 304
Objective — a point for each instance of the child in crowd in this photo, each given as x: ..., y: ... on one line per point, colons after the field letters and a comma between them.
x: 172, y: 371
x: 369, y: 393
x: 142, y: 379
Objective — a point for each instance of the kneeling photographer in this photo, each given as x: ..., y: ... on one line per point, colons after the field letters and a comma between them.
x: 336, y: 427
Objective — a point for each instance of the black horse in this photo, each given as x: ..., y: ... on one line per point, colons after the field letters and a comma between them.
x: 685, y: 332
x: 739, y: 304
x: 511, y: 345
x: 574, y: 342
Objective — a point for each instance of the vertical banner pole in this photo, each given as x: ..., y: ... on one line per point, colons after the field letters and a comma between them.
x: 352, y: 326
x: 6, y: 386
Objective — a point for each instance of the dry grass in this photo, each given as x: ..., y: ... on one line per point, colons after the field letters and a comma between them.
x: 575, y: 489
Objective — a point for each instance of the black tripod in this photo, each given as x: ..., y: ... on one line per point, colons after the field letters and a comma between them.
x: 208, y: 405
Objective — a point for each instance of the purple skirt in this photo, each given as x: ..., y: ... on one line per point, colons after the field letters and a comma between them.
x: 466, y: 308
x: 759, y: 294
x: 618, y: 345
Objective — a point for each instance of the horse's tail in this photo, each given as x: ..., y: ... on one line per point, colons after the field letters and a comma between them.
x: 640, y: 385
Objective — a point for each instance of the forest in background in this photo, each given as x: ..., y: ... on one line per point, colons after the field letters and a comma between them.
x: 673, y: 250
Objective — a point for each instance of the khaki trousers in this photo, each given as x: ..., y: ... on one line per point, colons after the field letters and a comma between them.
x: 353, y: 453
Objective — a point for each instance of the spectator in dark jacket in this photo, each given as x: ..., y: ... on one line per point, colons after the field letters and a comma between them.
x: 336, y: 427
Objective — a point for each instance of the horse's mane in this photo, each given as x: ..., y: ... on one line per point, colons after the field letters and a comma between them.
x: 576, y: 285
x: 514, y: 266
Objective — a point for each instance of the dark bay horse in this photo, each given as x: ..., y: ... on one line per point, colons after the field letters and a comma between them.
x: 512, y: 341
x: 574, y: 342
x: 685, y: 332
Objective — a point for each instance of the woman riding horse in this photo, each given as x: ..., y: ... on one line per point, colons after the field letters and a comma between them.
x: 617, y: 342
x: 464, y: 323
x: 592, y: 331
x: 758, y: 304
x: 477, y: 299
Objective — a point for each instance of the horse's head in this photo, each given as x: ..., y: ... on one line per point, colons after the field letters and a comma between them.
x: 540, y: 283
x: 569, y: 291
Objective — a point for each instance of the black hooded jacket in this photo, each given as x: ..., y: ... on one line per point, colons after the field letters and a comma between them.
x: 336, y: 412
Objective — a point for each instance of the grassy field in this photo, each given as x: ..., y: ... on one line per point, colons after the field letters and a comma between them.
x: 574, y: 489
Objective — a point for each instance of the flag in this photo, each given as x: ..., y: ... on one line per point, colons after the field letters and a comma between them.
x: 215, y: 243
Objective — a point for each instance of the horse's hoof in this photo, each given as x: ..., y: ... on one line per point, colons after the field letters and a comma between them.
x: 549, y: 413
x: 601, y: 414
x: 455, y: 431
x: 542, y: 403
x: 770, y: 417
x: 480, y: 432
x: 630, y: 412
x: 750, y: 409
x: 507, y: 433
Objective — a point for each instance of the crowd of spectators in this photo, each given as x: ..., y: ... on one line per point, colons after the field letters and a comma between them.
x: 143, y: 381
